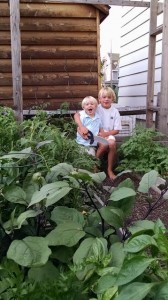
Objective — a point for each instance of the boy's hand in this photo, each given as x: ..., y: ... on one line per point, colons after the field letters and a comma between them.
x: 83, y: 131
x: 103, y: 134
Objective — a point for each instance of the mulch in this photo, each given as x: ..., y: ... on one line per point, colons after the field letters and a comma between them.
x: 141, y: 206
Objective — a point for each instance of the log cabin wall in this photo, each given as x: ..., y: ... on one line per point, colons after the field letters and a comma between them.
x: 60, y: 53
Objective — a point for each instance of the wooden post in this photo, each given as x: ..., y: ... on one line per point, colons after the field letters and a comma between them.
x: 164, y: 77
x: 157, y: 119
x: 16, y: 58
x: 151, y: 63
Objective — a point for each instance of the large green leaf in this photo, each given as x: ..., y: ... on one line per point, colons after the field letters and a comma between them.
x: 126, y: 183
x: 62, y: 169
x: 96, y: 247
x: 105, y: 283
x: 122, y: 193
x: 83, y: 250
x: 43, y: 273
x: 161, y: 292
x: 118, y: 254
x: 25, y: 215
x: 113, y: 216
x: 132, y: 268
x: 136, y: 290
x: 30, y: 187
x: 142, y: 226
x: 51, y: 192
x: 159, y: 227
x: 20, y: 154
x: 32, y: 251
x: 139, y: 243
x: 57, y: 195
x: 88, y: 176
x: 15, y: 194
x: 67, y: 234
x: 62, y: 214
x: 162, y: 243
x: 147, y: 181
x: 98, y: 177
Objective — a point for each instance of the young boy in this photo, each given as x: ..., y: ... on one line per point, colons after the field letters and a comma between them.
x: 90, y: 120
x: 111, y: 123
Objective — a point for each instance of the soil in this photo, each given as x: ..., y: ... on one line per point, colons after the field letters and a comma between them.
x: 141, y: 207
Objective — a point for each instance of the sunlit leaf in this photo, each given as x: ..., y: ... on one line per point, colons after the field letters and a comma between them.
x: 51, y: 192
x: 121, y: 193
x: 147, y: 181
x: 139, y: 243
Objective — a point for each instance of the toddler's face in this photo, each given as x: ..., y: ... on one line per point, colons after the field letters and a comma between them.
x: 106, y: 100
x: 90, y: 108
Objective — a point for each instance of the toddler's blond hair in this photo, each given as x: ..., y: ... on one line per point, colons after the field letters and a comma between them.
x: 89, y: 98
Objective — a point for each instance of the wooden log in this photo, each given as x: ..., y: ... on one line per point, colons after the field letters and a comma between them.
x: 85, y: 52
x: 60, y: 92
x: 46, y: 104
x: 50, y: 38
x: 49, y: 79
x: 51, y: 10
x: 54, y: 65
x: 56, y: 25
x: 53, y: 104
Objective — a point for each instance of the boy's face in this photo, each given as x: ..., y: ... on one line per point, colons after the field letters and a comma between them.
x: 90, y: 108
x: 105, y: 100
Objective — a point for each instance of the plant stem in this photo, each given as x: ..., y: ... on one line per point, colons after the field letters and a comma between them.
x: 102, y: 220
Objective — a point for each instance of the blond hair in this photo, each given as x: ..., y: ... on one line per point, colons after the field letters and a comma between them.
x: 87, y: 99
x: 107, y: 91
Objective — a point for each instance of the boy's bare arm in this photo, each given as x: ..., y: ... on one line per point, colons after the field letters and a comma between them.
x: 82, y: 129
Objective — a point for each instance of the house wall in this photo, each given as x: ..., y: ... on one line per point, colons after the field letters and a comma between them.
x: 134, y: 57
x: 60, y: 53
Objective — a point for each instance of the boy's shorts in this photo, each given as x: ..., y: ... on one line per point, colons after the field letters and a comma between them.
x: 89, y: 150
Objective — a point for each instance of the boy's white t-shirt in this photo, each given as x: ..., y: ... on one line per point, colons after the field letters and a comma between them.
x: 110, y: 118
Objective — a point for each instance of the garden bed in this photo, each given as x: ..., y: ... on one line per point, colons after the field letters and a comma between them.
x: 141, y: 205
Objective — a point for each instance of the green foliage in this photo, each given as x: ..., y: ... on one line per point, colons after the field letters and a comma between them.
x: 60, y: 241
x: 9, y: 129
x: 142, y: 153
x: 72, y: 251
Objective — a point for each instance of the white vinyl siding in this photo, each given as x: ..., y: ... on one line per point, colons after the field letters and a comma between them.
x: 134, y: 57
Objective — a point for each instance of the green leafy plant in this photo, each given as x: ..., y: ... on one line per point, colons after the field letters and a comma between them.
x: 63, y: 236
x: 43, y: 236
x: 9, y: 129
x: 142, y: 152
